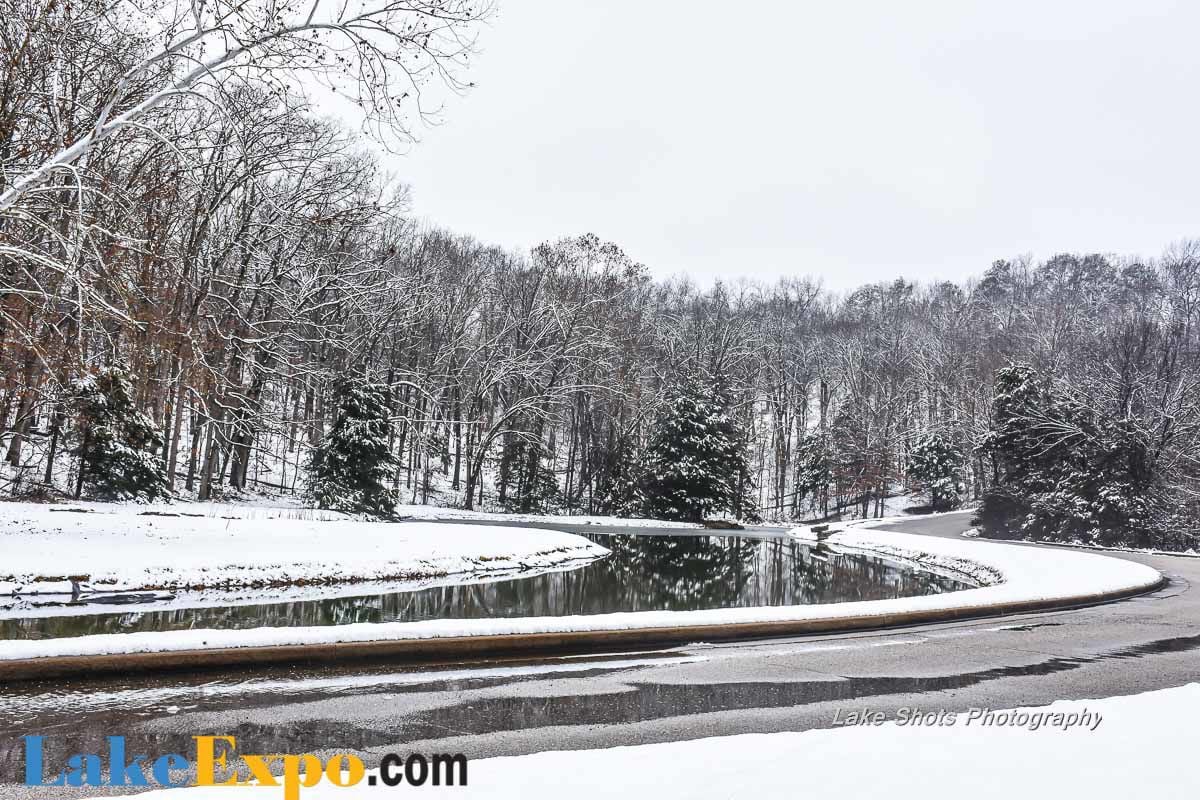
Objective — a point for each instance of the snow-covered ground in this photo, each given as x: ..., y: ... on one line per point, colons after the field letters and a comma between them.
x: 1006, y: 575
x: 116, y: 548
x: 25, y: 606
x: 1191, y: 552
x: 1116, y: 748
x: 434, y: 512
x: 287, y: 507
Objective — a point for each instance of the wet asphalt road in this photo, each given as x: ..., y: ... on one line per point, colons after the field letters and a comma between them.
x: 512, y: 707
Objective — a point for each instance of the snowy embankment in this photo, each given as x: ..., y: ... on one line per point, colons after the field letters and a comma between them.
x: 292, y: 508
x: 436, y: 512
x: 1010, y: 578
x: 1191, y: 552
x: 1005, y: 573
x: 47, y: 549
x: 1110, y: 749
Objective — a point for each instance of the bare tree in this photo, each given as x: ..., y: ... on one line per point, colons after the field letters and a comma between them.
x: 379, y: 53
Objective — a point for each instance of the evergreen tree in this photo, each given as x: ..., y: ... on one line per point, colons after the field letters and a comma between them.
x: 936, y: 463
x: 814, y: 471
x: 541, y: 494
x: 696, y: 461
x: 1065, y: 471
x: 118, y: 445
x: 352, y: 468
x: 617, y: 478
x: 508, y: 479
x: 524, y: 490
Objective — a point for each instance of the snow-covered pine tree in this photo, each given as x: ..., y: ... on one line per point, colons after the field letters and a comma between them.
x: 352, y: 468
x: 520, y: 490
x: 1019, y: 399
x: 936, y: 463
x: 696, y: 461
x: 617, y: 473
x: 541, y: 493
x: 117, y: 444
x: 1066, y: 471
x: 814, y: 472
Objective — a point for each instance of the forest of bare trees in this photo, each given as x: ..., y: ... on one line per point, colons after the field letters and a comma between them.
x: 232, y: 259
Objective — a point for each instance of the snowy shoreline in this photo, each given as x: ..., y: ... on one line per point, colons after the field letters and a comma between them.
x: 48, y: 549
x: 1009, y: 576
x: 1006, y: 573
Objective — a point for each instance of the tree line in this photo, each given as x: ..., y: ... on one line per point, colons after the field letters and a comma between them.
x: 195, y: 294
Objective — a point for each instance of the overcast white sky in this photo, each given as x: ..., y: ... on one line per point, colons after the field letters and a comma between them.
x: 852, y: 141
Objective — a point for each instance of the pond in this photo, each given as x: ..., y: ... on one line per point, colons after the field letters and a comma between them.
x: 643, y: 573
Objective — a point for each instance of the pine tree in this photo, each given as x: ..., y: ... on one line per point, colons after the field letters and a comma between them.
x: 615, y: 464
x: 541, y: 493
x: 696, y: 462
x: 352, y: 468
x: 523, y: 490
x: 814, y: 471
x: 117, y: 444
x: 1065, y: 471
x: 936, y: 463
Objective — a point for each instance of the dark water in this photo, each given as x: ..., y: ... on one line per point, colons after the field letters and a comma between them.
x: 644, y: 573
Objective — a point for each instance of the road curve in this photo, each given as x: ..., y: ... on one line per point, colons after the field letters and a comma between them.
x: 512, y: 707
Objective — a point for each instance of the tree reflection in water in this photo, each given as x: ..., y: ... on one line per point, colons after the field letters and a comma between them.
x: 643, y: 573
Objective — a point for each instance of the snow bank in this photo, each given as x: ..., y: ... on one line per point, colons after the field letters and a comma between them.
x: 1141, y: 746
x: 116, y: 548
x: 252, y: 508
x: 1007, y: 574
x: 42, y: 606
x: 1191, y: 552
x: 293, y: 509
x: 436, y: 512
